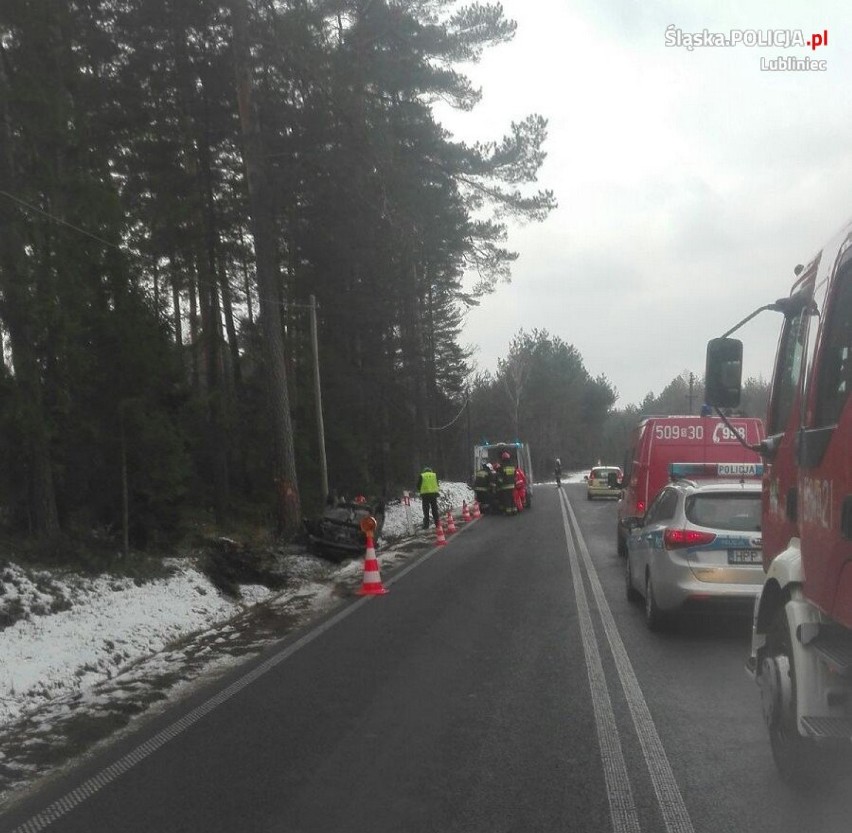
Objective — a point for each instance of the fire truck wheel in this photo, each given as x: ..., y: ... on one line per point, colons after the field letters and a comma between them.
x: 801, y: 761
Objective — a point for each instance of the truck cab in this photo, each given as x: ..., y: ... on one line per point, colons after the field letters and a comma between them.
x: 802, y: 632
x: 807, y: 492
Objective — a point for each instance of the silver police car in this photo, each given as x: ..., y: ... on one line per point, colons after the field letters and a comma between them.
x: 699, y: 545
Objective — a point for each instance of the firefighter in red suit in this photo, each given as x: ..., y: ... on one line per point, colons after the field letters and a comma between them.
x: 520, y: 493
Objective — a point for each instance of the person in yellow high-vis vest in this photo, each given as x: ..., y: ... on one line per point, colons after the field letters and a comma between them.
x: 427, y: 485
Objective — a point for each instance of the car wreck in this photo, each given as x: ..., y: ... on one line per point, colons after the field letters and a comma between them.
x: 337, y: 534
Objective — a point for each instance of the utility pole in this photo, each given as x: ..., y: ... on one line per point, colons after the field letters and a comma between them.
x: 125, y: 502
x: 318, y: 394
x: 469, y: 449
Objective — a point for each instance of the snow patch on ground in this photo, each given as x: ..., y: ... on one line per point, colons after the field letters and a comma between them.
x: 111, y: 622
x: 403, y: 521
x: 73, y: 633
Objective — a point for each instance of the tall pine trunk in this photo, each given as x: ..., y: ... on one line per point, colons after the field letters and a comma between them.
x: 195, y: 361
x: 197, y: 156
x: 263, y: 229
x: 17, y: 313
x: 413, y: 352
x: 177, y: 314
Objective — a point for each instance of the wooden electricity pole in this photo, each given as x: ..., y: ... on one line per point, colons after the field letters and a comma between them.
x: 318, y: 395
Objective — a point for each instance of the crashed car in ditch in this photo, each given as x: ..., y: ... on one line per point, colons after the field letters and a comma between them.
x: 337, y: 534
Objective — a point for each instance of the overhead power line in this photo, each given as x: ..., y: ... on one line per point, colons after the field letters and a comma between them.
x: 452, y: 421
x: 59, y: 220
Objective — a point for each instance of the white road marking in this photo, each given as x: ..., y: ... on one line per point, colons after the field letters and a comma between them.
x: 622, y: 808
x: 88, y: 788
x: 672, y: 806
x: 98, y: 781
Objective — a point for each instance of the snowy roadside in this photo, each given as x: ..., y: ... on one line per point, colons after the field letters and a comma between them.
x: 75, y: 632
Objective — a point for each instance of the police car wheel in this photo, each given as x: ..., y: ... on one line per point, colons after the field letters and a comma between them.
x: 655, y: 618
x: 633, y: 595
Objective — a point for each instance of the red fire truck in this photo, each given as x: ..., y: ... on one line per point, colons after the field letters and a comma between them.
x: 802, y: 633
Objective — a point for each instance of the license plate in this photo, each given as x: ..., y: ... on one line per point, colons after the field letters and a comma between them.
x: 745, y: 557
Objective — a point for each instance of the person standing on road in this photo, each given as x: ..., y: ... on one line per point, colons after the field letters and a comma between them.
x: 520, y: 493
x: 483, y: 486
x: 557, y: 472
x: 506, y: 483
x: 427, y: 485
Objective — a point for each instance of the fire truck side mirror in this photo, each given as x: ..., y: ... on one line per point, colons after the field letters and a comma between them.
x: 723, y: 373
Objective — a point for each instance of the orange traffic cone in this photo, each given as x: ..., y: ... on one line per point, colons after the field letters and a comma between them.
x: 451, y: 524
x: 440, y: 540
x: 465, y: 512
x: 372, y: 583
x: 476, y: 512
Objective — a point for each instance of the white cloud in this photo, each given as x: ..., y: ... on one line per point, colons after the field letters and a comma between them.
x: 690, y: 183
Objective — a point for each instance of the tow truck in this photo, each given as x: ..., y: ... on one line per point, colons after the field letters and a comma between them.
x: 801, y: 654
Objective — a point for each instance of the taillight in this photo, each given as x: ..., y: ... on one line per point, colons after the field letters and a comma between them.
x: 640, y: 507
x: 676, y: 539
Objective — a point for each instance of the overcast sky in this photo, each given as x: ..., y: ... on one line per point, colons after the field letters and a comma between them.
x: 690, y: 183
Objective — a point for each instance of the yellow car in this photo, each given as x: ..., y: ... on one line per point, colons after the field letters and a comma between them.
x: 602, y: 482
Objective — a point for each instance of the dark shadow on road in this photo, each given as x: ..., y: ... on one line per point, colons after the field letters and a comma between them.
x: 709, y: 627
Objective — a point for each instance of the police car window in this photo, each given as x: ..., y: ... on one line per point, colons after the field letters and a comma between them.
x: 663, y: 508
x: 740, y: 512
x: 651, y: 514
x: 787, y: 372
x: 835, y: 368
x: 668, y: 506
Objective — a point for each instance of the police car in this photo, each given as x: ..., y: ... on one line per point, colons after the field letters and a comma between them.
x: 698, y: 547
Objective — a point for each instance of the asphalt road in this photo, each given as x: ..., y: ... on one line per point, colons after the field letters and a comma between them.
x: 503, y: 684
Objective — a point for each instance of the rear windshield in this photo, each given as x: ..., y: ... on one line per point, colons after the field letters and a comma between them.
x: 601, y: 474
x: 740, y: 512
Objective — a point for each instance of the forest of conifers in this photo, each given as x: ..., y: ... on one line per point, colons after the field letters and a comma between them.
x: 178, y: 178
